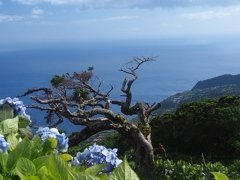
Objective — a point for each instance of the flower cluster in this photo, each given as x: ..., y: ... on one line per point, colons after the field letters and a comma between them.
x: 46, y: 132
x: 17, y: 105
x: 98, y: 155
x: 3, y: 144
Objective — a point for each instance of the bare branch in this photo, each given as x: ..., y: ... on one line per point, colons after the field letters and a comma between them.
x: 130, y: 69
x: 100, y: 125
x: 31, y: 91
x: 46, y: 101
x: 60, y: 119
x: 110, y: 90
x: 124, y: 85
x: 77, y: 137
x: 154, y: 107
x: 33, y: 106
x: 116, y: 102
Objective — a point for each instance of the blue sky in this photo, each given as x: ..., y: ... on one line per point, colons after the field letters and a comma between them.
x: 73, y: 20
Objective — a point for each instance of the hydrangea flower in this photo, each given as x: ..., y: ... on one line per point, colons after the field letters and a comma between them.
x: 17, y: 105
x: 3, y: 144
x: 46, y: 132
x: 98, y: 155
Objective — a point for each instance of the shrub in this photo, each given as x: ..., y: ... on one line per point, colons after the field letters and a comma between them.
x: 210, y: 127
x: 182, y: 170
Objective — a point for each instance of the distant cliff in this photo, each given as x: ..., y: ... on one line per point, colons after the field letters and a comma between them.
x: 207, y: 89
x: 223, y: 80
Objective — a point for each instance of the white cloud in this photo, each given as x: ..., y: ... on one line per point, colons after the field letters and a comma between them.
x: 113, y: 18
x: 88, y: 4
x: 213, y: 14
x: 206, y: 15
x: 37, y: 12
x: 10, y: 18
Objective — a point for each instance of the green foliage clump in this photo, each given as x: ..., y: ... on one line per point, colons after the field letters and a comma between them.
x: 80, y: 93
x: 182, y: 170
x: 210, y: 127
x: 58, y: 80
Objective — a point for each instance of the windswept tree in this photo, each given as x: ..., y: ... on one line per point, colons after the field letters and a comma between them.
x: 78, y: 98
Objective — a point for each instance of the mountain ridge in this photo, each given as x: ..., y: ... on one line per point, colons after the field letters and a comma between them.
x: 213, y: 88
x: 222, y: 80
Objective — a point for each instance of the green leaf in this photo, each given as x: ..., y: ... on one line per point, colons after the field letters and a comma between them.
x: 23, y: 149
x: 13, y: 141
x: 24, y: 132
x: 57, y: 168
x: 1, y: 178
x: 25, y: 167
x: 123, y: 171
x: 66, y: 157
x: 31, y: 178
x: 81, y: 176
x: 94, y: 170
x: 41, y: 161
x: 37, y: 148
x: 103, y: 176
x: 3, y: 162
x: 9, y: 126
x: 23, y: 122
x: 43, y: 172
x: 219, y: 176
x: 49, y: 145
x: 6, y: 112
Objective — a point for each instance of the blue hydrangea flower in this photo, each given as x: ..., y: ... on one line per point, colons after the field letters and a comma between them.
x: 3, y: 144
x: 17, y: 105
x: 46, y: 132
x: 98, y: 155
x: 62, y: 142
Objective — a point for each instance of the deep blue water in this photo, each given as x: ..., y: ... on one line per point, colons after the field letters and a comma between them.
x: 178, y: 67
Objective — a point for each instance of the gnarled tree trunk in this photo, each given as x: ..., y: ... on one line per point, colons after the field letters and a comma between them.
x: 144, y: 157
x: 140, y: 137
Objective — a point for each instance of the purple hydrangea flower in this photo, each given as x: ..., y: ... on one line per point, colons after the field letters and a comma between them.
x: 3, y: 144
x: 17, y: 105
x: 98, y: 155
x: 46, y: 132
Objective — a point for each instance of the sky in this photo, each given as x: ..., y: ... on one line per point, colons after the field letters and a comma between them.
x: 76, y: 20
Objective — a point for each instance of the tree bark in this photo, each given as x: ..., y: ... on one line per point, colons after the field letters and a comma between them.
x: 145, y: 162
x: 144, y: 157
x: 144, y: 154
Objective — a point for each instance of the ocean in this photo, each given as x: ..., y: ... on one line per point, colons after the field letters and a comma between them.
x: 179, y: 65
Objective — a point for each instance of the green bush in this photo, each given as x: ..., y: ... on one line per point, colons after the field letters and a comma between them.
x: 210, y: 127
x: 182, y: 170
